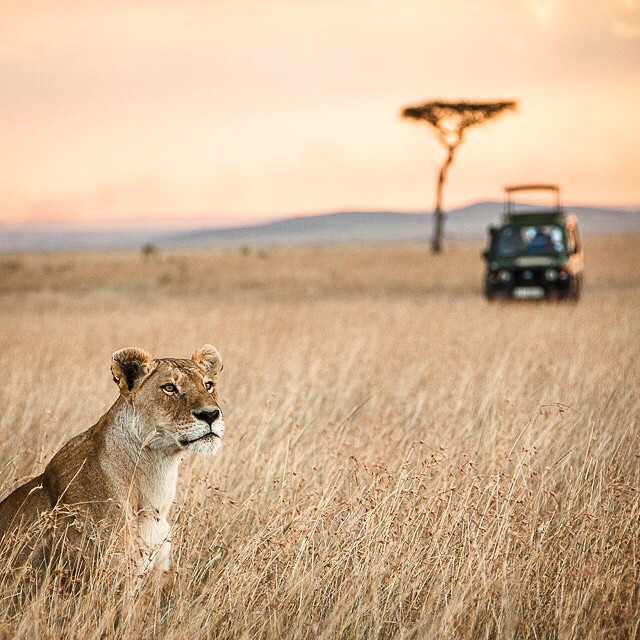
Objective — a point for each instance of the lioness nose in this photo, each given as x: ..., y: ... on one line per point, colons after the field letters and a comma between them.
x: 207, y: 415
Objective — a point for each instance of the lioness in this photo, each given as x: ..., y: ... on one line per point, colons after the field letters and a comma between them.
x: 122, y: 472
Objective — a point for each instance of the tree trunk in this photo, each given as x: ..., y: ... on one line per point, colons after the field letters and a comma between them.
x: 438, y: 223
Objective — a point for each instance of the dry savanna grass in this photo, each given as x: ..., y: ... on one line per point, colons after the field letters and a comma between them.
x: 291, y: 272
x: 402, y: 459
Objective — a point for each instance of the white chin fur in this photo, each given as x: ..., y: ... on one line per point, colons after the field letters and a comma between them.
x: 208, y: 446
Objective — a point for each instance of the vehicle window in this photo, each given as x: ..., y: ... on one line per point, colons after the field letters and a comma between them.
x: 533, y: 240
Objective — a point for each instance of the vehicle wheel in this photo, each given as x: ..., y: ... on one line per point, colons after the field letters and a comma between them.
x: 490, y: 296
x: 570, y: 296
x: 578, y: 290
x: 574, y: 293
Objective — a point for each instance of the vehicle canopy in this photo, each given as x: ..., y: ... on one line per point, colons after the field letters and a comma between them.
x: 511, y: 212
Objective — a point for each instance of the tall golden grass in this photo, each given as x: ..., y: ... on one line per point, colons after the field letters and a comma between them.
x: 402, y: 459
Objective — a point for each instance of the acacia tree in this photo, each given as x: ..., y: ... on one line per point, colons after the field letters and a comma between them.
x: 450, y: 121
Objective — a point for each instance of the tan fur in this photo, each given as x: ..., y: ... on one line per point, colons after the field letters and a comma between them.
x: 121, y: 473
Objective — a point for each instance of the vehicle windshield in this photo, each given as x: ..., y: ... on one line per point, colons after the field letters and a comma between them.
x: 545, y: 239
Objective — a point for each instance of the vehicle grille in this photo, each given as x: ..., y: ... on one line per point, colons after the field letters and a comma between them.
x: 528, y: 277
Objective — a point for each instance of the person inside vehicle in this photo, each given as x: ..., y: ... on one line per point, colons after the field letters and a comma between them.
x: 541, y: 242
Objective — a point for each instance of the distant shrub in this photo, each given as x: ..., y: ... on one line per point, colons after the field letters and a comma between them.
x: 149, y: 250
x: 10, y: 265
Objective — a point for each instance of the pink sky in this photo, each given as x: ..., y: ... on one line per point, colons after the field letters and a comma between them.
x: 234, y: 110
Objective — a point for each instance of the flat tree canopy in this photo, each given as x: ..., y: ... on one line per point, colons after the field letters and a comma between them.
x: 470, y: 113
x: 449, y: 121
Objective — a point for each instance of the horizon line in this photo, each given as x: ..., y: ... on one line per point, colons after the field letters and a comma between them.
x: 145, y: 221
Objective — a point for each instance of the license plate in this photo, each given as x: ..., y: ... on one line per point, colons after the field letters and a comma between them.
x: 528, y: 292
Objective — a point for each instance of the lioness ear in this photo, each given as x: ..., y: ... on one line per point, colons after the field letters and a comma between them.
x: 129, y: 367
x: 209, y: 359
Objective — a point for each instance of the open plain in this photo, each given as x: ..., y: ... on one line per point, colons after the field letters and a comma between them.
x: 402, y: 459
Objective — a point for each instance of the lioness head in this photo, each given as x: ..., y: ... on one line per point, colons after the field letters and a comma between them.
x: 174, y: 402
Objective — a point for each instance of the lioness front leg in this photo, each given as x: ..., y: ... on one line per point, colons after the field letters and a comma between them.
x: 155, y: 547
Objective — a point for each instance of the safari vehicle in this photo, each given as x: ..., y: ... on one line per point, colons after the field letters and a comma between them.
x: 535, y: 252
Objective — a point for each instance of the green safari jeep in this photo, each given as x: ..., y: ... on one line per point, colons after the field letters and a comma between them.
x: 535, y: 252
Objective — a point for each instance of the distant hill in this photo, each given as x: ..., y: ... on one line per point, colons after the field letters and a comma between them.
x: 465, y: 223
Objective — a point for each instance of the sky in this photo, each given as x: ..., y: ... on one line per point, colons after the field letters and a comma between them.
x: 234, y: 111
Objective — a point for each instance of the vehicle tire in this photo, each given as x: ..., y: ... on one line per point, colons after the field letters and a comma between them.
x: 489, y: 296
x: 578, y: 289
x: 572, y: 295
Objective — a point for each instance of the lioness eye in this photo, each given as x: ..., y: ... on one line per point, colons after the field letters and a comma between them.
x: 169, y: 389
x: 208, y: 385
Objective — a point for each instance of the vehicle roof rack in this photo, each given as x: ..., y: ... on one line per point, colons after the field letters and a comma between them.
x: 510, y: 211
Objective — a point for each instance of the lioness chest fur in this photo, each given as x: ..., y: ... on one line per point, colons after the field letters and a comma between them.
x: 121, y: 473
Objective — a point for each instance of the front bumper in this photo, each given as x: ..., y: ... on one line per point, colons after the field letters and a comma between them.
x: 527, y: 283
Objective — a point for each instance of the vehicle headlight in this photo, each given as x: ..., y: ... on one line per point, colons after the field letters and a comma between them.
x: 504, y: 275
x: 551, y: 275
